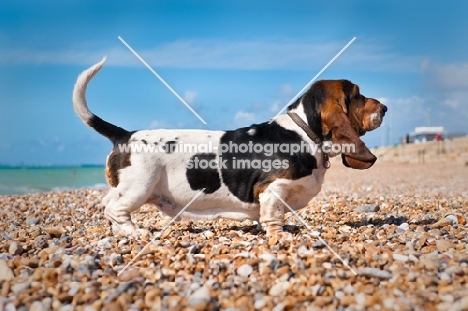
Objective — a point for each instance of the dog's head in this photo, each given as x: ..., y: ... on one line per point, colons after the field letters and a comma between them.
x: 337, y: 109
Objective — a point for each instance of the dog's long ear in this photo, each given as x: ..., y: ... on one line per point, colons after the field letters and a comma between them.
x: 354, y: 152
x: 348, y: 92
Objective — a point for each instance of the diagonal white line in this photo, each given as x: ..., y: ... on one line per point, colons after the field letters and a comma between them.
x: 315, y: 234
x: 313, y: 79
x: 162, y: 230
x: 162, y: 80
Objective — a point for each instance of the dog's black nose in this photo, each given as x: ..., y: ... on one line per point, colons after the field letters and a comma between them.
x: 384, y: 108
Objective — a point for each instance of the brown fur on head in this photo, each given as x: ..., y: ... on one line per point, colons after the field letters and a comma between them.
x: 346, y: 115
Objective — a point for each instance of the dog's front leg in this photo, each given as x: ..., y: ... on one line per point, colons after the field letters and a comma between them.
x: 271, y: 213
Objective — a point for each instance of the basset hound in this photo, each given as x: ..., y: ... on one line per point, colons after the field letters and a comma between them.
x: 247, y: 173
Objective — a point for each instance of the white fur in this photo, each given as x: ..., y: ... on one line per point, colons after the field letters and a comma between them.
x: 252, y: 132
x: 79, y: 91
x: 375, y: 120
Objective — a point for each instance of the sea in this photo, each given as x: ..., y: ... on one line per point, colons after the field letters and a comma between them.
x: 22, y: 180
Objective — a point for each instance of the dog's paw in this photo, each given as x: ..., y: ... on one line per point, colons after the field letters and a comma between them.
x: 272, y: 230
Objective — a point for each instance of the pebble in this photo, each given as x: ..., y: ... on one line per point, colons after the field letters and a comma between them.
x: 368, y: 208
x: 10, y: 307
x: 105, y: 243
x: 413, y: 258
x: 445, y: 276
x: 37, y: 306
x: 443, y: 245
x: 429, y: 261
x: 245, y: 270
x: 6, y: 274
x: 208, y: 234
x: 41, y: 241
x: 15, y: 248
x: 200, y: 298
x: 268, y: 257
x: 303, y: 251
x: 278, y: 288
x: 455, y: 270
x: 19, y: 287
x: 361, y: 299
x: 259, y: 304
x: 402, y: 228
x: 460, y: 305
x: 123, y: 242
x: 184, y: 243
x: 32, y: 221
x: 374, y: 272
x: 55, y: 232
x: 128, y: 275
x: 400, y: 257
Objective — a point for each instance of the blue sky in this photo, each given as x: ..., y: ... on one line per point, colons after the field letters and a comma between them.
x: 235, y: 62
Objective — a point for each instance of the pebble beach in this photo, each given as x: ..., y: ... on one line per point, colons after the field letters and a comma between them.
x: 401, y: 228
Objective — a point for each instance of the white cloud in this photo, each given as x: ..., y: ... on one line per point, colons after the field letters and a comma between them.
x: 406, y: 113
x: 243, y: 118
x: 448, y: 86
x: 408, y: 103
x: 276, y: 106
x: 163, y: 124
x: 456, y: 100
x: 219, y: 54
x: 190, y: 97
x: 445, y: 77
x: 156, y: 124
x: 287, y: 90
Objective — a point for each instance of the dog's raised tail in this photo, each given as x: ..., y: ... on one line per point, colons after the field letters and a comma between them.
x: 114, y: 133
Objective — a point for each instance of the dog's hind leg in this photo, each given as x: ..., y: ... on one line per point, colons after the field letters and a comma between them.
x: 129, y: 195
x: 118, y: 207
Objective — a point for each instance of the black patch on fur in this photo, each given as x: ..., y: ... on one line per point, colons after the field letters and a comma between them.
x: 201, y: 176
x: 348, y: 88
x: 114, y: 133
x: 169, y: 146
x: 243, y: 181
x: 312, y: 101
x: 144, y: 141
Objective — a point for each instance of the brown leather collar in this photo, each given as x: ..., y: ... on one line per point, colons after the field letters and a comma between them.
x: 311, y: 134
x: 297, y: 119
